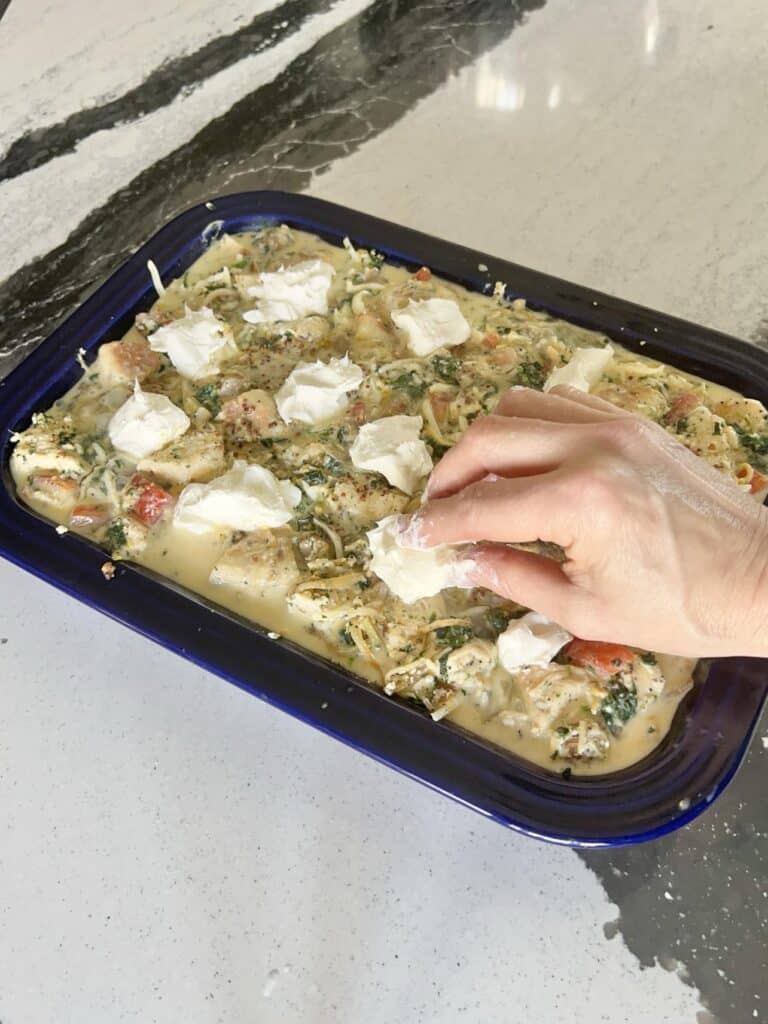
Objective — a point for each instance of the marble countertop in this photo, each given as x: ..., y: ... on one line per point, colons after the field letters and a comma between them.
x: 173, y: 849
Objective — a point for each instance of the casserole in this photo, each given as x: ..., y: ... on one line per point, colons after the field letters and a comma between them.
x: 562, y: 808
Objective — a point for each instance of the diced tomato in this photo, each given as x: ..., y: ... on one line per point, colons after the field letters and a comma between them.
x: 357, y: 412
x: 424, y: 274
x: 89, y: 516
x: 605, y: 659
x: 758, y: 483
x: 681, y: 406
x: 152, y: 502
x: 491, y: 340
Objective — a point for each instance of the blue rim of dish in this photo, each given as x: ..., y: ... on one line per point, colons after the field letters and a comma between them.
x: 667, y: 789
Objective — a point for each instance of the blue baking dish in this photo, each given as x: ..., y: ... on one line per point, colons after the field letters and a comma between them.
x: 668, y: 788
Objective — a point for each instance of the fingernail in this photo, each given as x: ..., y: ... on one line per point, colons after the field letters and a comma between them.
x: 409, y: 532
x: 463, y: 572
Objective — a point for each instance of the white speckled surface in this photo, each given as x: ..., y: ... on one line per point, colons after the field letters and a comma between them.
x: 168, y: 843
x: 638, y: 182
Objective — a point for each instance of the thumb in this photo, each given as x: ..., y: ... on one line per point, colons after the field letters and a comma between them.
x: 528, y: 579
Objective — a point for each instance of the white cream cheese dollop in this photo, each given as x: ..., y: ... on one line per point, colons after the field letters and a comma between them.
x: 196, y: 343
x: 584, y: 370
x: 392, y: 446
x: 412, y: 574
x: 530, y: 640
x: 430, y: 324
x: 247, y: 497
x: 291, y: 292
x: 145, y: 423
x: 314, y: 392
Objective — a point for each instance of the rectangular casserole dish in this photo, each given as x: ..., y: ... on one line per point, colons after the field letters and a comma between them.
x: 671, y: 786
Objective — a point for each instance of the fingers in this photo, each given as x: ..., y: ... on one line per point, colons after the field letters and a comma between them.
x: 557, y: 406
x: 588, y: 401
x: 529, y: 433
x: 531, y: 580
x: 516, y: 510
x: 504, y: 446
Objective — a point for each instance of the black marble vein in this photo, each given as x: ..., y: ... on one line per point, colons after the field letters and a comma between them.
x: 161, y: 87
x: 360, y: 78
x: 699, y: 897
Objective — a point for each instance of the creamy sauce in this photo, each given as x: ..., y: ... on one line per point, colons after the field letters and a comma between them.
x: 640, y: 736
x: 470, y: 375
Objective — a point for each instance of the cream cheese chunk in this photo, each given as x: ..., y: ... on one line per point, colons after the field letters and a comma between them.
x: 196, y: 343
x: 392, y: 446
x: 430, y: 324
x: 530, y: 640
x: 584, y: 370
x: 247, y: 497
x: 145, y: 423
x: 291, y: 292
x: 413, y: 574
x: 314, y: 392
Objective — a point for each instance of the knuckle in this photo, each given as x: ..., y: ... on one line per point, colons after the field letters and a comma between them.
x: 594, y: 485
x: 628, y: 431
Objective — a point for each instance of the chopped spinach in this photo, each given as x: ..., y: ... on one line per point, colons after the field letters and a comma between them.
x: 619, y: 706
x: 116, y: 537
x: 376, y: 259
x: 313, y: 477
x: 442, y: 665
x: 302, y: 513
x: 410, y: 383
x: 648, y: 658
x: 531, y: 375
x: 755, y: 444
x: 66, y: 436
x: 208, y: 397
x: 446, y: 368
x: 438, y: 450
x: 498, y: 619
x: 563, y: 730
x: 333, y: 465
x: 453, y: 636
x: 346, y: 637
x: 681, y: 426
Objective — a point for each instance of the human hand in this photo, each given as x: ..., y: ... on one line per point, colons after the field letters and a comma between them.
x: 662, y: 552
